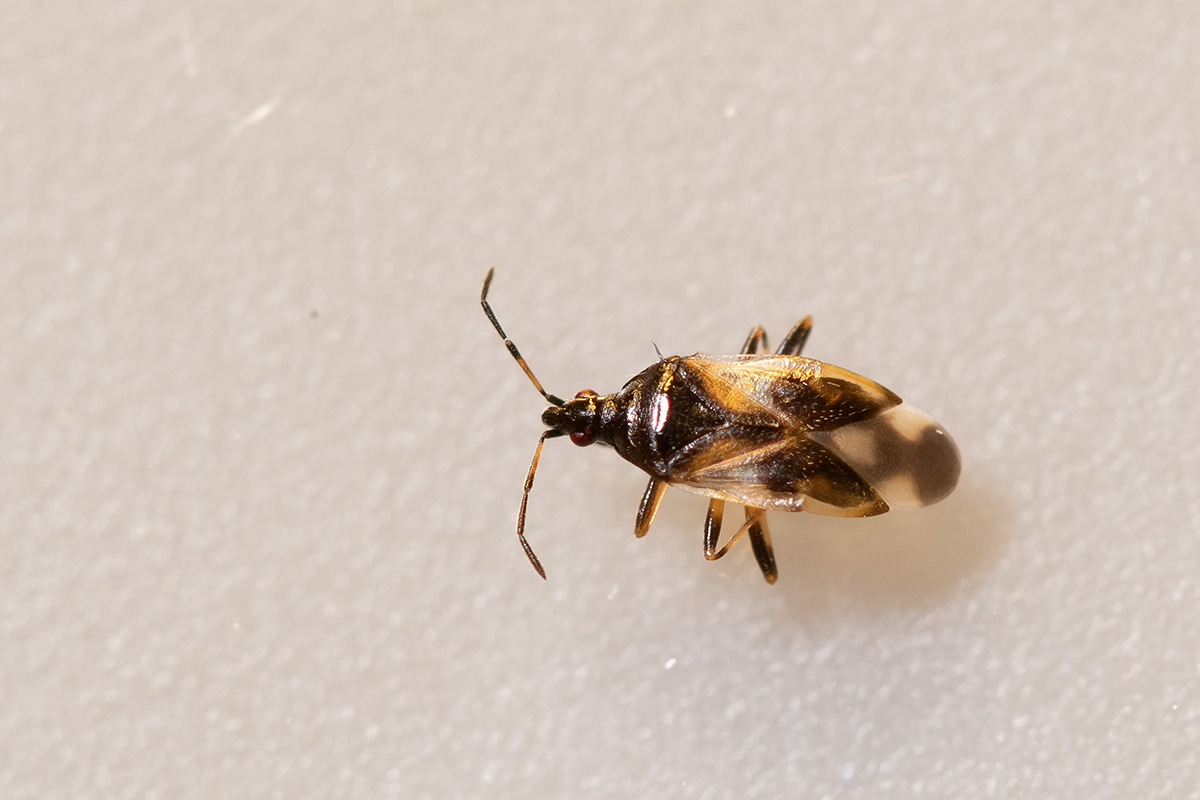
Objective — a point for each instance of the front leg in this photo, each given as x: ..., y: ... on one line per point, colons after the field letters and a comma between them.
x: 649, y: 506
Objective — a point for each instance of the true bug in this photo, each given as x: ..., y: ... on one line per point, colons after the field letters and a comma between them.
x: 766, y: 431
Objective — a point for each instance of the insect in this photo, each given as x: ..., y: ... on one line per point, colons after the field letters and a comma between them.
x: 768, y: 431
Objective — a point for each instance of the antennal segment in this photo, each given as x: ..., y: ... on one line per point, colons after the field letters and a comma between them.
x: 512, y: 348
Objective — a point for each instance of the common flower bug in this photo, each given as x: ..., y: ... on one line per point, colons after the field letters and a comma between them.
x: 768, y: 431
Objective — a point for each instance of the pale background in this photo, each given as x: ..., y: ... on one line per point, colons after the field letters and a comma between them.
x: 261, y: 454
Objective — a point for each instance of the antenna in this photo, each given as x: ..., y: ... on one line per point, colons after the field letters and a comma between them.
x: 512, y: 348
x: 537, y: 454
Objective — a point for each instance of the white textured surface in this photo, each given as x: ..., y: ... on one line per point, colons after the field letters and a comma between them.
x: 260, y: 453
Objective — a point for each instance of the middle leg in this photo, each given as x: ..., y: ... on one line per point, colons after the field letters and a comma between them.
x: 755, y: 524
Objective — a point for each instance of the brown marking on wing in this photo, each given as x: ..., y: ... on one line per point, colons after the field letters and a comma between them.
x: 787, y: 391
x: 736, y: 388
x: 767, y: 469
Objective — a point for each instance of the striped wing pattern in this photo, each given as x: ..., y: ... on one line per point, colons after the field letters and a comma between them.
x: 764, y: 455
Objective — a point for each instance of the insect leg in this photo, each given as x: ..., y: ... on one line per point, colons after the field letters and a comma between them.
x: 712, y: 525
x: 757, y: 335
x: 649, y: 506
x: 760, y: 541
x: 756, y: 524
x: 537, y: 454
x: 710, y: 551
x: 512, y: 348
x: 793, y: 343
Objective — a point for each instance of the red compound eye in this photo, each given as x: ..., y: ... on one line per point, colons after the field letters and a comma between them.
x: 581, y: 438
x: 584, y: 393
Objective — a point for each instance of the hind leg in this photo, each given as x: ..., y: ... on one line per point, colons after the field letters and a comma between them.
x: 793, y: 343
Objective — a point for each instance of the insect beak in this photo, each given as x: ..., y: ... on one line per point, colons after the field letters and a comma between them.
x: 553, y: 417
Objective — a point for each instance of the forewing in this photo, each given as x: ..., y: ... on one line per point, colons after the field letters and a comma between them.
x: 787, y: 391
x: 786, y: 471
